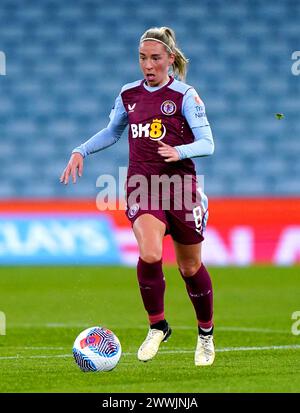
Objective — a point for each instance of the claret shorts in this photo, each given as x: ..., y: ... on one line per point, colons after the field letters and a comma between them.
x: 185, y: 225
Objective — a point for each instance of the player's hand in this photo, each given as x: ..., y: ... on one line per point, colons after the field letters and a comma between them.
x: 75, y: 164
x: 168, y: 152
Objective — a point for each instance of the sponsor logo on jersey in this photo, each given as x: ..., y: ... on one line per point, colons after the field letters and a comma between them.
x: 198, y: 100
x: 168, y: 107
x: 133, y: 210
x: 131, y: 108
x: 199, y: 112
x: 155, y: 130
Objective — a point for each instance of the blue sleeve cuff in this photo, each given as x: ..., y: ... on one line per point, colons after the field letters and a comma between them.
x: 80, y: 150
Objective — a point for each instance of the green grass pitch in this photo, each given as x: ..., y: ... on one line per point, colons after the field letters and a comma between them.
x: 46, y: 307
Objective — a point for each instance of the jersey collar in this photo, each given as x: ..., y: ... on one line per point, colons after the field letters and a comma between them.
x: 161, y: 88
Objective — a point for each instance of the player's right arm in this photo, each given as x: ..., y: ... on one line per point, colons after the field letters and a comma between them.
x: 103, y: 139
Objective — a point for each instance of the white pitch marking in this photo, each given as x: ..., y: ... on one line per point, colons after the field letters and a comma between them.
x: 262, y: 348
x: 39, y: 348
x: 253, y: 329
x: 220, y: 328
x: 219, y: 350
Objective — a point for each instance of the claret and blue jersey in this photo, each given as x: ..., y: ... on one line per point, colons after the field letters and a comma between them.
x: 159, y: 114
x: 173, y: 113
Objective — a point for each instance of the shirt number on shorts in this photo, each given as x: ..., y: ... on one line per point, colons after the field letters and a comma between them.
x: 197, y: 212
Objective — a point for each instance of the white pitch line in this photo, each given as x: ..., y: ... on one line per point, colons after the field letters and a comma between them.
x: 142, y: 327
x: 253, y: 329
x: 219, y: 350
x: 262, y: 348
x: 39, y: 348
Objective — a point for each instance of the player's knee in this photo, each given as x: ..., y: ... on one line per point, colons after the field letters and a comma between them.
x: 189, y: 268
x: 151, y: 256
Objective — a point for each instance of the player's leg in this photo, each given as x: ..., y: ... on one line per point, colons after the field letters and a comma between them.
x: 149, y: 232
x: 199, y: 288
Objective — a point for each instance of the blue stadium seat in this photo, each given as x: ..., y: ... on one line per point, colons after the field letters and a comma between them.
x: 66, y: 63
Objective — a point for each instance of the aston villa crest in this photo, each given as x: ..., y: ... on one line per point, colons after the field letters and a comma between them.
x: 168, y: 107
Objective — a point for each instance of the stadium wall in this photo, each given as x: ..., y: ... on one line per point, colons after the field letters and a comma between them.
x: 72, y: 232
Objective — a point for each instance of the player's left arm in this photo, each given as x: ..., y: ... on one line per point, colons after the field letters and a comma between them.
x: 193, y: 109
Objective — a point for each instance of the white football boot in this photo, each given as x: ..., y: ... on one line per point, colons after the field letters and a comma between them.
x: 150, y: 346
x: 205, y: 351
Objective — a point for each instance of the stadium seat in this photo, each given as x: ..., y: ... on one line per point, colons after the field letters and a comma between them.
x: 67, y: 63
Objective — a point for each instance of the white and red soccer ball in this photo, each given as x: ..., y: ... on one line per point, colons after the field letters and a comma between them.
x: 97, y: 349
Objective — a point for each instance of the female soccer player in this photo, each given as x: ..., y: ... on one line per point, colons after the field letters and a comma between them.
x: 167, y: 127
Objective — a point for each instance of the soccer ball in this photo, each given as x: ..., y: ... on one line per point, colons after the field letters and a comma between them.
x: 97, y: 349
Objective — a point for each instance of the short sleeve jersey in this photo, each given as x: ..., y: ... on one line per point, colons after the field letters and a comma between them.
x: 154, y: 116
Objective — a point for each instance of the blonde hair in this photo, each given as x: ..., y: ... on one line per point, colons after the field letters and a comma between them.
x: 166, y: 36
